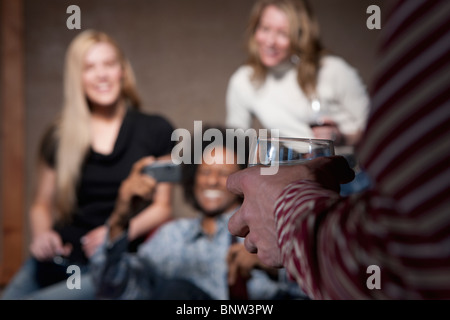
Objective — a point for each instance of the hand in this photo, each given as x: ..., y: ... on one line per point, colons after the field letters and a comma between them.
x: 255, y: 219
x: 93, y: 239
x: 240, y: 262
x: 329, y: 130
x: 136, y: 184
x: 47, y: 245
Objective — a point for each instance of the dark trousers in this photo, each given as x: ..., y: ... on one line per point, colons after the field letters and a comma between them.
x: 178, y: 289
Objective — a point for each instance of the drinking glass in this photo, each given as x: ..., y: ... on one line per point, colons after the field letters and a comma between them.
x: 270, y: 151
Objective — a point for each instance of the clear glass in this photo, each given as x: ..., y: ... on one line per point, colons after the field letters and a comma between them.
x: 287, y: 151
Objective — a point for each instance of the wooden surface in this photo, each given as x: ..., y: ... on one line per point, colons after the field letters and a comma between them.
x: 12, y: 138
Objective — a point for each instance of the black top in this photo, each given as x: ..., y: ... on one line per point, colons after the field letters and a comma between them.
x: 140, y: 135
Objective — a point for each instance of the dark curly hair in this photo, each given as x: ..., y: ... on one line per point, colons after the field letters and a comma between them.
x: 190, y: 170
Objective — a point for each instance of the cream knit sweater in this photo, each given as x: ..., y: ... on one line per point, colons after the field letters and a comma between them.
x: 279, y: 102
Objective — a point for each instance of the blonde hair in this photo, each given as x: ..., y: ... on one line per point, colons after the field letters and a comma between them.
x: 73, y: 132
x: 304, y: 38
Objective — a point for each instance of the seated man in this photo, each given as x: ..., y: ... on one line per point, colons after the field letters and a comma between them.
x: 186, y: 258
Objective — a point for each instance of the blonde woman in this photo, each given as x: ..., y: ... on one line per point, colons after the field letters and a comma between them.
x: 84, y: 157
x: 288, y: 75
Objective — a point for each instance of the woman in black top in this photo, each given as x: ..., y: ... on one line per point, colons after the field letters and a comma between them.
x: 84, y: 157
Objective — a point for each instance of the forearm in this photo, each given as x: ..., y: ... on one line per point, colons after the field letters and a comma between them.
x: 144, y: 222
x: 297, y: 228
x: 40, y: 219
x: 118, y: 222
x: 328, y: 243
x: 149, y: 219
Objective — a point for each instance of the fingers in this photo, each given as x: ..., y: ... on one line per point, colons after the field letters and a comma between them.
x: 236, y: 225
x: 141, y: 163
x: 47, y: 245
x: 244, y: 179
x: 138, y: 184
x: 331, y: 171
x: 240, y: 262
x: 232, y: 265
x: 90, y: 248
x: 37, y: 251
x: 66, y: 250
x: 96, y: 235
x: 340, y: 168
x: 93, y: 240
x: 329, y: 133
x: 234, y: 183
x: 145, y: 187
x: 56, y: 244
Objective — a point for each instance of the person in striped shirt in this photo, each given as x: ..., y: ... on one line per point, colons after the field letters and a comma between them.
x: 389, y: 242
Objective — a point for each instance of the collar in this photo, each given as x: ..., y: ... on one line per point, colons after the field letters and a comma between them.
x: 196, y: 230
x: 279, y: 70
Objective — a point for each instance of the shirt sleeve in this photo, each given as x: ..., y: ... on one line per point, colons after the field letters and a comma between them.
x: 329, y: 244
x: 352, y: 94
x: 238, y: 114
x: 297, y: 217
x: 355, y: 99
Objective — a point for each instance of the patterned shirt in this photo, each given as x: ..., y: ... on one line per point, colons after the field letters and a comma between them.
x: 402, y: 224
x: 179, y: 250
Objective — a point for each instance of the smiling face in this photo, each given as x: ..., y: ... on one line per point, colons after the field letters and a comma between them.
x: 272, y: 37
x: 210, y: 186
x: 102, y: 75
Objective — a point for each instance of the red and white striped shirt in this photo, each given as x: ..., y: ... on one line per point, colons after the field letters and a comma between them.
x: 401, y: 225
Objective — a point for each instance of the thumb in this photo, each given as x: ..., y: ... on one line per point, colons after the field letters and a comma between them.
x: 56, y: 244
x: 66, y: 249
x: 141, y: 163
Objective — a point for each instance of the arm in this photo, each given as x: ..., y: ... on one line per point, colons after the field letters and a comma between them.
x: 155, y: 214
x: 402, y: 224
x: 306, y: 237
x: 140, y: 186
x: 237, y: 113
x: 355, y: 100
x: 45, y: 243
x: 241, y: 262
x: 118, y: 274
x: 136, y: 185
x: 255, y: 219
x: 348, y: 123
x: 160, y: 210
